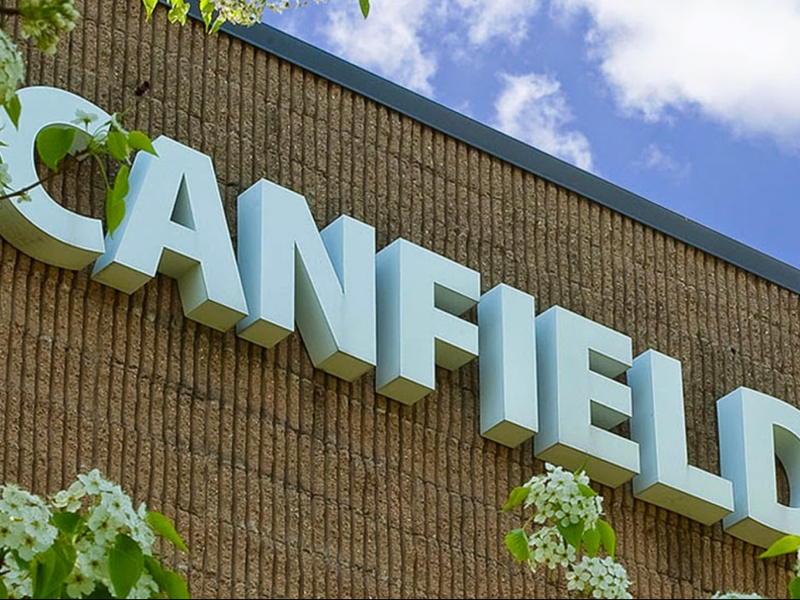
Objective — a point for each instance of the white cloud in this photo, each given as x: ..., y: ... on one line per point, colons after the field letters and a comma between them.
x: 505, y: 19
x: 401, y: 38
x: 533, y: 109
x: 737, y: 61
x: 657, y: 159
x: 389, y: 41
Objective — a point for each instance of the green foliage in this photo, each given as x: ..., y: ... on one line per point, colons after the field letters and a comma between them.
x: 68, y: 523
x: 109, y: 140
x: 794, y: 588
x: 564, y: 531
x: 516, y: 497
x: 608, y: 537
x: 169, y: 581
x: 54, y: 143
x: 49, y: 569
x: 139, y: 141
x: 125, y: 565
x: 517, y: 543
x: 364, y: 8
x: 591, y: 541
x: 115, y: 199
x: 178, y: 11
x: 572, y: 533
x: 92, y: 544
x: 118, y: 146
x: 150, y: 6
x: 165, y: 528
x: 786, y: 545
x: 14, y: 110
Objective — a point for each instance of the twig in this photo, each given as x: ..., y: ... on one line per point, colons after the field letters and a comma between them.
x: 43, y: 180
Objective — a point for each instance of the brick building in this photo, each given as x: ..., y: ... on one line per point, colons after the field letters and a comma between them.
x: 286, y: 481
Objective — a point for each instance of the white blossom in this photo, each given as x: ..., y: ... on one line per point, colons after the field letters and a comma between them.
x: 735, y: 595
x: 597, y: 577
x: 548, y: 548
x: 16, y: 579
x: 12, y: 68
x: 25, y: 522
x: 146, y: 587
x: 46, y: 20
x: 241, y: 12
x: 557, y: 497
x: 25, y: 531
x: 279, y: 7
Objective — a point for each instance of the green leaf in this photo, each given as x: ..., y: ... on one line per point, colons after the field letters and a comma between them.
x: 572, y: 533
x: 586, y: 491
x: 164, y: 527
x: 53, y: 144
x: 516, y: 497
x: 139, y: 141
x: 168, y: 581
x: 67, y: 522
x: 115, y: 199
x: 178, y: 12
x: 175, y: 586
x: 117, y: 144
x: 14, y: 110
x: 125, y: 564
x: 207, y: 10
x: 150, y: 6
x: 517, y: 544
x: 794, y: 588
x: 591, y: 541
x: 218, y: 22
x: 364, y: 8
x: 3, y: 590
x: 785, y: 545
x: 50, y: 568
x: 607, y: 537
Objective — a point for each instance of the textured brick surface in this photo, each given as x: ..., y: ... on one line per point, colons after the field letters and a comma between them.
x: 286, y: 481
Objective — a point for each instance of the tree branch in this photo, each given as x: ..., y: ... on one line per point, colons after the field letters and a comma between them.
x: 5, y: 10
x: 44, y: 179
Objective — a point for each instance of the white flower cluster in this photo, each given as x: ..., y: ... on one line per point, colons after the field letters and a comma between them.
x: 548, y: 548
x: 25, y: 522
x: 597, y: 577
x: 46, y: 20
x: 110, y: 512
x: 25, y: 529
x: 283, y: 5
x: 735, y: 595
x: 241, y: 12
x: 558, y: 497
x: 12, y: 68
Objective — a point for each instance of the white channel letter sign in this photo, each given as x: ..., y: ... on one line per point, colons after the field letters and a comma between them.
x: 174, y: 224
x: 659, y: 427
x: 579, y: 401
x: 419, y: 295
x: 557, y: 377
x: 42, y: 228
x: 324, y: 281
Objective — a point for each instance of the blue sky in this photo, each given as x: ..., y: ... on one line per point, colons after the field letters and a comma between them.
x: 694, y: 104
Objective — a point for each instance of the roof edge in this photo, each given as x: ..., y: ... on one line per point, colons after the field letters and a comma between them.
x: 508, y: 149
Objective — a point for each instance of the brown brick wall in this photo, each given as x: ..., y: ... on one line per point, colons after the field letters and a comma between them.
x: 286, y: 481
